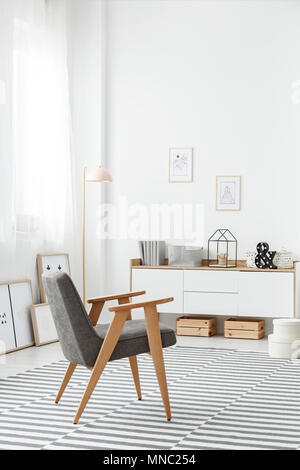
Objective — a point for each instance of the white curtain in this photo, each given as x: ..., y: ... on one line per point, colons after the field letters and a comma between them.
x: 37, y: 204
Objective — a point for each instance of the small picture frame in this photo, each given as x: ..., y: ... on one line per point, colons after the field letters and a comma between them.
x: 181, y: 165
x: 51, y: 263
x: 228, y: 193
x: 43, y: 325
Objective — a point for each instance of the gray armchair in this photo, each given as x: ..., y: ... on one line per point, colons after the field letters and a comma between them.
x: 86, y: 343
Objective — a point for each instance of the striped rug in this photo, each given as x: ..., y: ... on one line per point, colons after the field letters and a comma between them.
x: 220, y: 399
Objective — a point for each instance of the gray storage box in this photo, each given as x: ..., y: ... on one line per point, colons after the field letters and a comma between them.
x: 181, y: 255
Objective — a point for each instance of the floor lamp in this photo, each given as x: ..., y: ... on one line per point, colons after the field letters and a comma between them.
x: 91, y: 174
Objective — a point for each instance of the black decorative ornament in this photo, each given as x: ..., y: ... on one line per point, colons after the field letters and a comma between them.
x: 264, y: 257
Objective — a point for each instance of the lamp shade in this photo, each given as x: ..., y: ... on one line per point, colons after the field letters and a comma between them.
x: 97, y: 174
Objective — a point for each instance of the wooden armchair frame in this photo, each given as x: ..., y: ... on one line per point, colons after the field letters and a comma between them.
x: 122, y: 313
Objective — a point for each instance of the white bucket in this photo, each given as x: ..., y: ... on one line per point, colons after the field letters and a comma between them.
x: 287, y: 328
x: 280, y: 348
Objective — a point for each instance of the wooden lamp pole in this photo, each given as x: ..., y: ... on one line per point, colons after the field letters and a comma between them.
x: 95, y: 174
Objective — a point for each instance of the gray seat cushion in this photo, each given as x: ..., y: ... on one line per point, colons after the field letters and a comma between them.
x: 133, y: 339
x: 80, y: 341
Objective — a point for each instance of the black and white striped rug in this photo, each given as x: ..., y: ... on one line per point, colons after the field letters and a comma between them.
x: 220, y: 399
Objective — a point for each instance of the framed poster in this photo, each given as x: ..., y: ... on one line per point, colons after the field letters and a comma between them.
x: 21, y: 301
x: 180, y: 165
x: 7, y: 329
x: 43, y: 325
x: 51, y: 264
x: 15, y: 321
x: 228, y: 193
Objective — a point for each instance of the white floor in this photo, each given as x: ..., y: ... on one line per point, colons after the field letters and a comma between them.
x: 29, y: 358
x: 20, y: 361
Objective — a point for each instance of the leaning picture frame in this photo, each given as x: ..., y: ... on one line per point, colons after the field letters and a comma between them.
x: 228, y: 193
x: 16, y: 298
x: 43, y: 325
x: 58, y: 262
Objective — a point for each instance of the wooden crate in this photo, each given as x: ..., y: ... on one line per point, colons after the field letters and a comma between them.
x: 195, y: 331
x: 196, y: 326
x: 244, y: 328
x: 202, y: 322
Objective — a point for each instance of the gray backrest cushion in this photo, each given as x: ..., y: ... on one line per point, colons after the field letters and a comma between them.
x: 79, y: 341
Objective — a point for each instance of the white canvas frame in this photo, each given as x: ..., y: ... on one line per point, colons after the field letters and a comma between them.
x: 16, y: 299
x: 43, y: 325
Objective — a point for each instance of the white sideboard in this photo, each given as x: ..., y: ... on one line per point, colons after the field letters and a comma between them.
x: 237, y: 291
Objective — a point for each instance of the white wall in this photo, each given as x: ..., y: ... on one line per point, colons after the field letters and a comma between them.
x: 87, y: 69
x: 216, y: 76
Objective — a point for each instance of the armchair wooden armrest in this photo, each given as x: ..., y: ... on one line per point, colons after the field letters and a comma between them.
x: 98, y: 303
x: 149, y: 303
x: 115, y: 297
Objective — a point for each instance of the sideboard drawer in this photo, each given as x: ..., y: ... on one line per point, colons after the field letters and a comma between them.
x: 160, y: 283
x: 211, y: 281
x: 211, y: 303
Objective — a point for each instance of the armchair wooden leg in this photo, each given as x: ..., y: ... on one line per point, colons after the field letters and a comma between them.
x: 135, y: 374
x: 106, y: 350
x: 68, y: 375
x: 154, y: 338
x: 133, y: 359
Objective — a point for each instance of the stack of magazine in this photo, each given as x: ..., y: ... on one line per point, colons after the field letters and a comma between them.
x: 152, y: 252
